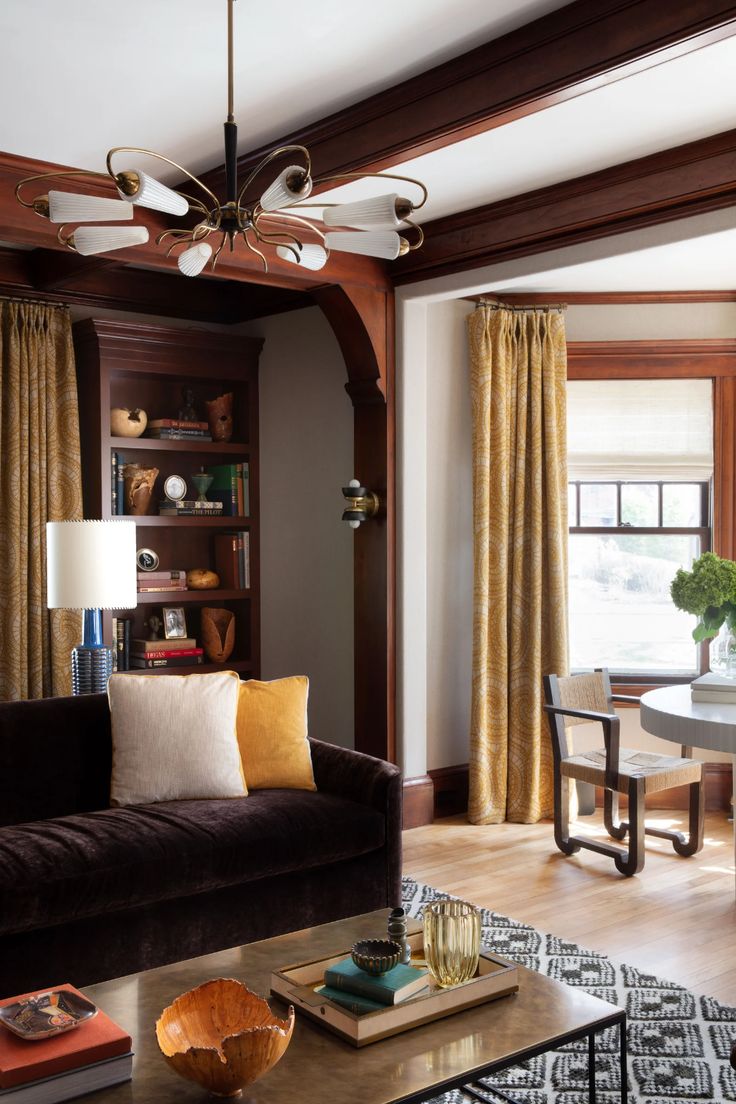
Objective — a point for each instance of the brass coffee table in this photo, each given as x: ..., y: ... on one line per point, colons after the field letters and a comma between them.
x: 318, y: 1066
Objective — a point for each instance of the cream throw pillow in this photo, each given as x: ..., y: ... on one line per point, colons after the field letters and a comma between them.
x: 174, y: 736
x: 272, y: 733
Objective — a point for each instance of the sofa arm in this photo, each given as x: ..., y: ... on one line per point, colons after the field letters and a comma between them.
x: 369, y: 781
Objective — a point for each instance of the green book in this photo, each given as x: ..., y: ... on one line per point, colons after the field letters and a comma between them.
x: 395, y: 986
x: 358, y: 1005
x: 224, y: 486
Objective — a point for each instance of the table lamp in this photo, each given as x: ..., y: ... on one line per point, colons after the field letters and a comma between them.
x: 90, y: 565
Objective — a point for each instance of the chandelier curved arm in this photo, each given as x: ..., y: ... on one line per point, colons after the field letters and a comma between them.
x: 284, y: 239
x: 364, y: 176
x: 254, y: 250
x: 420, y: 235
x: 159, y: 157
x: 272, y: 156
x: 288, y: 218
x: 47, y: 176
x: 197, y: 203
x: 219, y: 250
x: 195, y: 234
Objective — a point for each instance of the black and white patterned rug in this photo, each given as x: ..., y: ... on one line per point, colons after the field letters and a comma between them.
x: 679, y: 1042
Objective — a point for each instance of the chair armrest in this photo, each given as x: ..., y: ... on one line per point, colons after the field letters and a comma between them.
x: 625, y: 698
x: 371, y: 782
x: 588, y: 714
x: 610, y: 724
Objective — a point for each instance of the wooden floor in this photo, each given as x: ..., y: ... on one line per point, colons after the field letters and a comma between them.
x: 676, y: 919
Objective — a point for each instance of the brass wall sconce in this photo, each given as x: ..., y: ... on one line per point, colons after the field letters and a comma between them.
x: 362, y: 504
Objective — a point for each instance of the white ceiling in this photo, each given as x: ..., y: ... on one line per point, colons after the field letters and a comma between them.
x: 153, y: 74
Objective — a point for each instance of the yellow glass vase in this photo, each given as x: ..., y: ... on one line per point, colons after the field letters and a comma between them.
x: 451, y: 941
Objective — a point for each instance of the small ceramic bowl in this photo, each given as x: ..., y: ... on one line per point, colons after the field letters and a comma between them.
x: 376, y: 956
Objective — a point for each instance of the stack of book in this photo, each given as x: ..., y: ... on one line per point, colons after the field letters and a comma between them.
x: 95, y: 1055
x: 232, y: 560
x: 230, y: 482
x: 165, y: 653
x: 175, y: 429
x: 715, y: 689
x: 121, y: 643
x: 117, y: 484
x: 349, y: 986
x: 190, y: 507
x: 149, y: 582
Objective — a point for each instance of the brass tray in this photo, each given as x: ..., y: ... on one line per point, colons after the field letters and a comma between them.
x: 296, y: 984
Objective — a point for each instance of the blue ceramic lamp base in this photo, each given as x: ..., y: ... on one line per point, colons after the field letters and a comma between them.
x: 91, y: 660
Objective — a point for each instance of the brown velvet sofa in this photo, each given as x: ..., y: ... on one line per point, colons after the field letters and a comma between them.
x: 88, y: 892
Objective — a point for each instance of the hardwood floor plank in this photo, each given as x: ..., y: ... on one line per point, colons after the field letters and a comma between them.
x: 677, y: 918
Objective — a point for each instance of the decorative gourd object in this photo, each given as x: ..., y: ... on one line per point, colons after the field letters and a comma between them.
x: 218, y: 633
x: 138, y: 483
x: 222, y: 1036
x: 127, y: 423
x: 220, y: 417
x: 199, y: 578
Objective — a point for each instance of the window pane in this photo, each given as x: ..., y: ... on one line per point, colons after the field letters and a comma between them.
x: 572, y: 504
x: 597, y: 504
x: 640, y: 504
x: 621, y: 613
x: 681, y: 504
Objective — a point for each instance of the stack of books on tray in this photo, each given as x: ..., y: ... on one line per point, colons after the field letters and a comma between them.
x: 231, y: 482
x: 175, y: 429
x: 715, y: 689
x: 149, y: 582
x: 94, y: 1055
x: 190, y: 507
x: 352, y: 988
x: 165, y: 653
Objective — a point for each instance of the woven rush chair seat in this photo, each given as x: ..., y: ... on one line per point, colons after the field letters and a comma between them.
x: 660, y: 772
x: 586, y: 698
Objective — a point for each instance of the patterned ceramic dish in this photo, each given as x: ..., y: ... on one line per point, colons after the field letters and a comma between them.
x: 376, y: 956
x: 47, y: 1014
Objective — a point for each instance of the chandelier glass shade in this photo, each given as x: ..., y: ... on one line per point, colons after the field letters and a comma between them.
x: 279, y: 222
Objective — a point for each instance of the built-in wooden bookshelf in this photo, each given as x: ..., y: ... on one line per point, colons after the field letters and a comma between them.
x: 122, y: 364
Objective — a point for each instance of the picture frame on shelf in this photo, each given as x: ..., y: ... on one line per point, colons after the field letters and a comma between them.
x: 175, y: 624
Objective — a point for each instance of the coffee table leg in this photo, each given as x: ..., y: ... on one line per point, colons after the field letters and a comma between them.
x: 624, y: 1070
x: 591, y: 1068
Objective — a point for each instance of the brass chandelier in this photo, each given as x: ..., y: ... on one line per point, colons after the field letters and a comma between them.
x: 275, y: 221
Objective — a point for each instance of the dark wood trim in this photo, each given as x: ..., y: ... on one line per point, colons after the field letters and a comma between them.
x: 724, y: 430
x: 673, y: 184
x: 418, y: 801
x: 451, y: 791
x: 584, y: 45
x: 609, y: 298
x: 706, y: 358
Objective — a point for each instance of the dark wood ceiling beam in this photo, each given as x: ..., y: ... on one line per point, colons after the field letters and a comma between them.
x: 585, y: 45
x: 57, y: 271
x: 608, y: 298
x: 674, y: 184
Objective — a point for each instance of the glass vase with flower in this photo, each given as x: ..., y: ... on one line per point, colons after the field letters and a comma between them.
x: 708, y: 591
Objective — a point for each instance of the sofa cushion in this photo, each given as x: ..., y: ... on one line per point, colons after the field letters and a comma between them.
x: 272, y: 734
x: 54, y: 871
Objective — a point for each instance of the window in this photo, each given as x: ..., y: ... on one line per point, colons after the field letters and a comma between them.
x: 640, y: 460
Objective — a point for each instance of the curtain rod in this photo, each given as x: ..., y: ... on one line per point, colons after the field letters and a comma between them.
x: 29, y: 299
x: 491, y: 305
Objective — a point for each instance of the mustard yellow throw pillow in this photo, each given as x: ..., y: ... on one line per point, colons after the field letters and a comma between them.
x: 174, y: 737
x: 272, y: 734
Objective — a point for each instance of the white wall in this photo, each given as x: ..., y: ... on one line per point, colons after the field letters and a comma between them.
x: 306, y: 453
x: 447, y: 452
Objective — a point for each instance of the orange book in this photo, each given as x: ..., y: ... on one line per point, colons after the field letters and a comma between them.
x: 24, y: 1060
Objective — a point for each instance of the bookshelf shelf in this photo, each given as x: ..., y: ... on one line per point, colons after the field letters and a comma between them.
x: 122, y: 364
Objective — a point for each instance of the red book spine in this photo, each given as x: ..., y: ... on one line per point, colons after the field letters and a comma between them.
x: 168, y: 653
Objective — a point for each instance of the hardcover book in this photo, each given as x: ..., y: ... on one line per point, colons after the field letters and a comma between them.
x: 177, y: 423
x: 72, y: 1083
x: 169, y: 653
x: 354, y: 1003
x: 164, y: 645
x: 22, y: 1062
x: 138, y: 663
x: 397, y: 985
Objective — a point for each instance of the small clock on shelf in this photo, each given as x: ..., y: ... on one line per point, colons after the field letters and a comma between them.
x: 146, y: 559
x: 175, y: 488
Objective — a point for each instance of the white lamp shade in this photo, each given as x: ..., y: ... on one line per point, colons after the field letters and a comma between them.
x: 103, y: 239
x: 91, y: 565
x: 280, y: 194
x: 310, y: 256
x: 155, y: 195
x: 69, y: 207
x: 385, y: 244
x: 192, y: 260
x: 378, y: 213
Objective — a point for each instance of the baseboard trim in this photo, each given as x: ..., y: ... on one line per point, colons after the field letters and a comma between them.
x: 418, y: 801
x: 451, y: 791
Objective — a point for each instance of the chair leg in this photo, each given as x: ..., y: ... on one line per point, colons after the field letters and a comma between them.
x: 694, y: 841
x: 616, y: 828
x: 562, y: 815
x: 632, y: 861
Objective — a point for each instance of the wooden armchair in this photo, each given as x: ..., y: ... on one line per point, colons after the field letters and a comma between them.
x: 580, y: 699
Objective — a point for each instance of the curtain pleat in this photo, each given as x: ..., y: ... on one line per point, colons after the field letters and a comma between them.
x: 518, y: 376
x: 40, y: 481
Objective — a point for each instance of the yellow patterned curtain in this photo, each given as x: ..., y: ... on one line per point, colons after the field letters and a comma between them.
x: 40, y: 481
x: 518, y: 373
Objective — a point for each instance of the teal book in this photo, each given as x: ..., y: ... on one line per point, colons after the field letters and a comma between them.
x: 358, y: 1005
x: 224, y: 486
x: 390, y: 988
